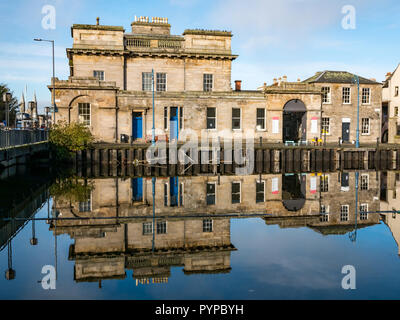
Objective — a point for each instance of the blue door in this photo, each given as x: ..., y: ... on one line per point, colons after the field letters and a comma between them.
x: 137, y: 125
x: 173, y: 187
x: 174, y: 123
x: 137, y: 189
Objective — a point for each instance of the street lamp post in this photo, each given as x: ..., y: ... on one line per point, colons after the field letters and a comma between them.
x: 153, y: 134
x: 53, y: 79
x: 6, y: 100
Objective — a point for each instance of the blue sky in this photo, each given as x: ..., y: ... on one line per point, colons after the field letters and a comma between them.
x: 272, y: 38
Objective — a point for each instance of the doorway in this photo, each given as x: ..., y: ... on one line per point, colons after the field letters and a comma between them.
x: 294, y: 121
x: 174, y: 123
x: 345, y: 130
x: 137, y: 125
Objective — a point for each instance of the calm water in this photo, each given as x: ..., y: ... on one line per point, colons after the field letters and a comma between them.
x: 236, y: 238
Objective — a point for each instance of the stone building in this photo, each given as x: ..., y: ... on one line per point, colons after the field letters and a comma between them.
x: 192, y: 219
x: 339, y: 106
x: 390, y: 107
x: 111, y: 80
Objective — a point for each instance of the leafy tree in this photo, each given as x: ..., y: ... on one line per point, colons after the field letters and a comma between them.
x: 12, y: 105
x: 68, y: 138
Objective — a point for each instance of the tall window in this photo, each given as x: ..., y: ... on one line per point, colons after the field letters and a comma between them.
x: 397, y: 129
x: 161, y: 227
x: 260, y: 191
x: 84, y: 113
x: 147, y: 81
x: 161, y: 82
x: 180, y: 117
x: 210, y: 196
x: 324, y: 214
x: 207, y: 82
x: 261, y: 119
x: 326, y: 95
x: 344, y: 213
x: 364, y: 211
x: 365, y: 126
x: 147, y: 228
x: 236, y: 118
x: 236, y: 197
x: 396, y: 91
x: 211, y: 118
x: 166, y: 194
x: 366, y: 96
x: 346, y: 95
x: 99, y: 75
x: 165, y: 118
x: 364, y: 182
x: 86, y: 206
x: 324, y: 183
x: 396, y: 111
x: 207, y: 225
x: 326, y: 128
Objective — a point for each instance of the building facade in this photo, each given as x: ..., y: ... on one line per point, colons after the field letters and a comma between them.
x: 111, y: 81
x: 390, y: 107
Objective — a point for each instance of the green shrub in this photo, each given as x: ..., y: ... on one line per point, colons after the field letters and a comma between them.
x: 68, y: 138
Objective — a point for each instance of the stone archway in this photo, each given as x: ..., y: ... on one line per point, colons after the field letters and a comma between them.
x: 294, y: 121
x: 293, y: 191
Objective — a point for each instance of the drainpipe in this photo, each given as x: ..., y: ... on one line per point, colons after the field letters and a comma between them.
x: 116, y: 117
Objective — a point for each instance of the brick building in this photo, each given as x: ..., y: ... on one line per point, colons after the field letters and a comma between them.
x: 110, y: 89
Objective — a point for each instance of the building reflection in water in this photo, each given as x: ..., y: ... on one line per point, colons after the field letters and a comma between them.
x: 114, y: 228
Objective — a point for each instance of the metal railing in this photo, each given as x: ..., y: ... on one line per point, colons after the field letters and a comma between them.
x: 13, y: 138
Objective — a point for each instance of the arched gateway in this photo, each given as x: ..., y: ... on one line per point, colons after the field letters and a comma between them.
x: 294, y: 121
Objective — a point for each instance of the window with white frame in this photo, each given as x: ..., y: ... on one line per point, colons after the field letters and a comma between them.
x: 161, y: 227
x: 326, y: 95
x: 236, y: 196
x: 147, y: 81
x: 324, y: 211
x: 161, y: 84
x: 364, y: 211
x: 84, y: 113
x: 346, y: 95
x: 147, y: 228
x: 207, y: 82
x: 260, y: 191
x: 364, y: 184
x: 207, y: 225
x: 236, y: 118
x: 211, y: 118
x: 344, y: 213
x: 261, y: 119
x: 98, y: 74
x: 326, y: 128
x: 324, y: 183
x: 366, y: 96
x: 365, y: 126
x: 210, y: 193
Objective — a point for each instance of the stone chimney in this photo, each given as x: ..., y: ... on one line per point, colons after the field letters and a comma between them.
x: 279, y: 81
x: 98, y: 21
x: 238, y: 85
x: 388, y: 75
x: 275, y: 81
x: 284, y: 78
x: 157, y: 25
